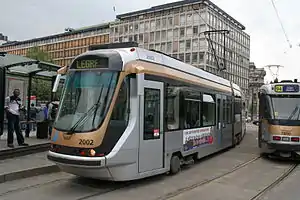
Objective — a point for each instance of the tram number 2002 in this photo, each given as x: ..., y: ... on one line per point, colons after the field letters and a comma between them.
x: 86, y: 142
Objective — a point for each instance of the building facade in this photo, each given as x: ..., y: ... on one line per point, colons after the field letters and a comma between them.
x: 65, y: 46
x: 3, y: 39
x: 177, y: 29
x: 256, y: 80
x: 174, y: 28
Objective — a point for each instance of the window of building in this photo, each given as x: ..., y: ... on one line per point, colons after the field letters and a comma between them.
x: 152, y: 25
x: 163, y: 35
x: 141, y: 38
x: 188, y: 58
x: 194, y: 57
x: 170, y: 35
x: 164, y: 23
x: 176, y: 20
x: 196, y: 18
x: 189, y: 31
x: 182, y: 34
x: 142, y: 26
x: 195, y: 30
x: 175, y: 33
x: 147, y: 25
x: 136, y: 26
x: 181, y: 46
x: 157, y: 36
x: 130, y: 28
x: 195, y: 45
x: 169, y: 47
x: 146, y: 37
x: 175, y: 46
x: 189, y: 18
x: 126, y: 28
x: 157, y: 23
x: 157, y: 47
x: 182, y: 19
x: 163, y: 47
x: 170, y: 21
x: 152, y: 37
x: 188, y: 45
x: 181, y: 57
x: 209, y: 110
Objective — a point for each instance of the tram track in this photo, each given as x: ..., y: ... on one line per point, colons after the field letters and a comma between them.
x: 179, y: 191
x: 204, y: 182
x: 279, y: 180
x: 119, y: 186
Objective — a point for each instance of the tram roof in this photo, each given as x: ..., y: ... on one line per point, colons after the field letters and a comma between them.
x: 159, y: 58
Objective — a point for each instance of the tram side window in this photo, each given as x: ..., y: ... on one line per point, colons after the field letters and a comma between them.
x: 151, y: 114
x: 120, y: 111
x: 192, y: 110
x: 172, y: 108
x: 225, y: 109
x: 209, y: 110
x: 237, y: 106
x: 229, y: 111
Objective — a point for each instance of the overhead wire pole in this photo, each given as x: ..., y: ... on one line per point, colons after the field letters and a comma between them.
x: 217, y: 31
x: 274, y: 75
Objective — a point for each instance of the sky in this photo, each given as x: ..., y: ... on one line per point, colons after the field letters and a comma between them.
x: 21, y: 20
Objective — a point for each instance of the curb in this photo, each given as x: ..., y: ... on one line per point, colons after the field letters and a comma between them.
x: 23, y: 151
x: 11, y: 176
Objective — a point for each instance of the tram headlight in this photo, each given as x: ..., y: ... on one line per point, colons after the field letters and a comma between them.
x: 92, y: 152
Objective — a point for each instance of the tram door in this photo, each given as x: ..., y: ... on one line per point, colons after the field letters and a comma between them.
x: 227, y: 121
x: 219, y: 120
x: 151, y: 127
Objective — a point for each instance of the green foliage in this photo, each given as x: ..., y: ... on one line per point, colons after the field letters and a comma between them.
x: 40, y: 88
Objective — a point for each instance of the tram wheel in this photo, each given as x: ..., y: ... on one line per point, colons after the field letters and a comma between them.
x: 175, y: 164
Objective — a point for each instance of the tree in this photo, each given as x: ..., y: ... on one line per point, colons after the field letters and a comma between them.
x: 40, y: 88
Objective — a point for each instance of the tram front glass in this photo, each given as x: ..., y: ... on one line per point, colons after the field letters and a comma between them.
x: 85, y: 100
x: 286, y: 108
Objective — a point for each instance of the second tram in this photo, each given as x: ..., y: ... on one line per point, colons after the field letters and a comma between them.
x: 279, y: 119
x: 130, y: 113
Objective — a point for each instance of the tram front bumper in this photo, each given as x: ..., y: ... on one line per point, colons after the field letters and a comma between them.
x: 86, y: 162
x: 81, y: 166
x: 284, y: 147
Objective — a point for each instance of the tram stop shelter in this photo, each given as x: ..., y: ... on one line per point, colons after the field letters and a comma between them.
x: 25, y: 67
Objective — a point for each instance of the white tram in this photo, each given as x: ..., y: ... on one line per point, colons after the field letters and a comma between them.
x: 130, y: 113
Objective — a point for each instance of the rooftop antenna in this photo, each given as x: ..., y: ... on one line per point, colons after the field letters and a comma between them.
x: 114, y: 9
x: 274, y: 75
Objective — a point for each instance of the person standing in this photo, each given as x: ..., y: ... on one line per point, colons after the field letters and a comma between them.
x: 13, y: 107
x: 52, y: 112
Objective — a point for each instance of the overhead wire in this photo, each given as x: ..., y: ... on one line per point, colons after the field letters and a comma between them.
x: 281, y: 24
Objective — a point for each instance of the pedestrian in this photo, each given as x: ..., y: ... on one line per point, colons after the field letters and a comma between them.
x: 33, y: 114
x: 52, y: 112
x: 12, y: 107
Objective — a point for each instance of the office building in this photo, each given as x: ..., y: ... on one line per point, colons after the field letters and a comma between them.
x: 175, y: 28
x: 65, y: 46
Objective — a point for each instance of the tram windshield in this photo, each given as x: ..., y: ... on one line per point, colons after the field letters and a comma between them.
x: 85, y: 100
x: 286, y: 108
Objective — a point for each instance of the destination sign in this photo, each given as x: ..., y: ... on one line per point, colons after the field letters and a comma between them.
x: 90, y: 62
x: 286, y: 88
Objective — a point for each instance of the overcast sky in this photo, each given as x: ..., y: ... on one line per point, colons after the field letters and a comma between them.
x: 21, y: 20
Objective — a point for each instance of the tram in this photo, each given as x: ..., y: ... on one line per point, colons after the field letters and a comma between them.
x: 279, y: 119
x: 129, y: 113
